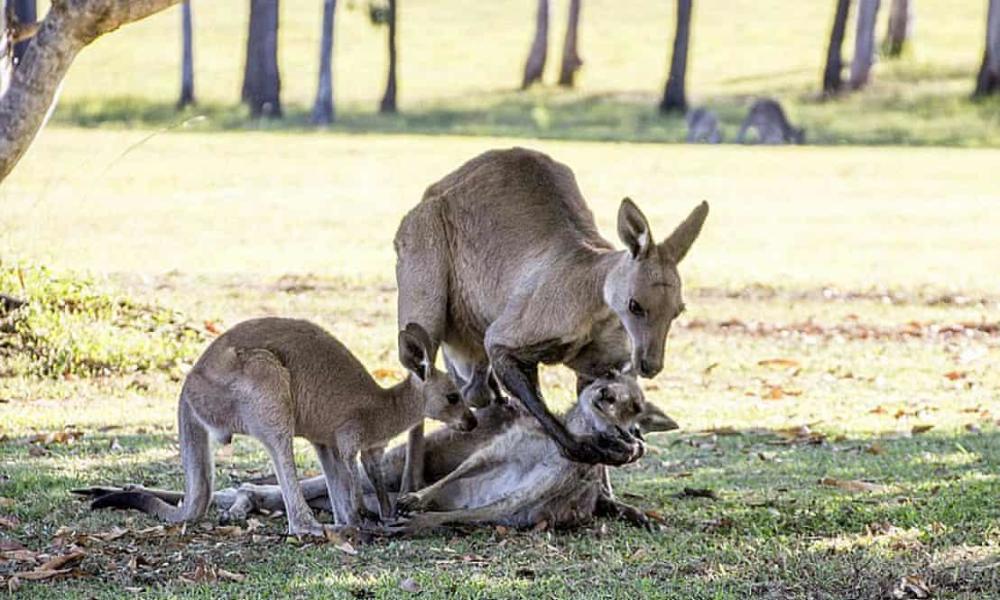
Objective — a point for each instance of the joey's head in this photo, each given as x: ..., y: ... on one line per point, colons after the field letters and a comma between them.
x: 442, y: 400
x: 616, y: 403
x: 644, y: 287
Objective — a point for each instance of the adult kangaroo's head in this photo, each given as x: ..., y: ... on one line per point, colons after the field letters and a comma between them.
x: 644, y: 288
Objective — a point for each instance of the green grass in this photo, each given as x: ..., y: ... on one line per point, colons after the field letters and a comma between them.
x: 461, y: 64
x: 872, y: 268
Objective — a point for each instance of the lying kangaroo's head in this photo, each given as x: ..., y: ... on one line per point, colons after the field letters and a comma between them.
x: 442, y: 400
x: 616, y: 402
x: 644, y: 288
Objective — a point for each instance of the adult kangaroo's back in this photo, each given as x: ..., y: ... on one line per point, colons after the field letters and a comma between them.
x: 502, y: 264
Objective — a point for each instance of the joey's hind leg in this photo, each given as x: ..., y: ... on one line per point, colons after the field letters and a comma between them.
x: 336, y: 477
x: 268, y: 416
x: 371, y: 460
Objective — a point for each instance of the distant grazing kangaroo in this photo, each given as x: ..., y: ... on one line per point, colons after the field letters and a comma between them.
x: 703, y: 127
x: 519, y: 462
x: 275, y: 379
x: 767, y: 117
x: 502, y: 264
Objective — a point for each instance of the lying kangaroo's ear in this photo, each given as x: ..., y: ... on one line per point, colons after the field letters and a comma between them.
x: 677, y: 245
x: 633, y: 229
x: 414, y: 350
x: 652, y: 419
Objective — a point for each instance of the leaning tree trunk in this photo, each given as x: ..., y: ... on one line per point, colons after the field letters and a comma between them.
x: 535, y: 65
x: 261, y: 79
x: 187, y: 57
x: 900, y: 27
x: 864, y: 43
x: 323, y: 109
x: 26, y: 11
x: 388, y: 104
x: 674, y: 94
x: 571, y: 61
x: 988, y: 81
x: 833, y: 73
x: 67, y: 28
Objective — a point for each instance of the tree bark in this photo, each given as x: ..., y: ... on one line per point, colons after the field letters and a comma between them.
x: 187, y: 57
x: 864, y: 43
x: 674, y: 94
x: 900, y: 27
x: 535, y: 65
x: 833, y: 73
x: 261, y: 78
x: 988, y: 81
x: 388, y: 104
x: 68, y: 27
x: 571, y: 61
x: 26, y: 12
x: 323, y: 108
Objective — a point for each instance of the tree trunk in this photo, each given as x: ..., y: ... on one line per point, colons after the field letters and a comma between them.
x: 833, y: 73
x: 323, y: 109
x: 988, y: 81
x: 674, y: 94
x: 261, y: 79
x: 864, y: 43
x: 388, y: 104
x: 900, y: 27
x: 187, y: 57
x: 67, y: 28
x: 571, y: 61
x: 26, y: 12
x: 535, y: 65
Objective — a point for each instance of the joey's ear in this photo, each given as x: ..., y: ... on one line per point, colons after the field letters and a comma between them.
x: 677, y: 245
x: 633, y: 229
x: 652, y: 419
x: 414, y: 350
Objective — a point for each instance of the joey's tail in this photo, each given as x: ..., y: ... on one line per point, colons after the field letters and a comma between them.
x: 196, y: 456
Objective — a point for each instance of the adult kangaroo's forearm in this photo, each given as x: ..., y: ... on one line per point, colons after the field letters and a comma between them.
x: 521, y: 379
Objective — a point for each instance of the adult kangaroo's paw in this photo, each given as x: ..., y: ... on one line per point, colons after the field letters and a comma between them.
x: 604, y: 449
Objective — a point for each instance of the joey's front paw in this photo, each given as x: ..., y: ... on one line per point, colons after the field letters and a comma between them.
x: 409, y: 503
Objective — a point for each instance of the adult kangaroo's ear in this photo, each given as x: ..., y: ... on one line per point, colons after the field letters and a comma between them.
x: 652, y: 419
x: 677, y: 245
x: 633, y: 229
x: 414, y: 350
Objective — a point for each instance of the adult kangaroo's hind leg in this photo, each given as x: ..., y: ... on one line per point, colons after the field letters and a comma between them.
x: 422, y: 278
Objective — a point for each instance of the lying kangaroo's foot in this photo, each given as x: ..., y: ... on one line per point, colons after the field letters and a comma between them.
x: 410, y: 503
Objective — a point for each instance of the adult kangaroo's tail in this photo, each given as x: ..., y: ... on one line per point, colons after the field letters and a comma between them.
x: 196, y: 456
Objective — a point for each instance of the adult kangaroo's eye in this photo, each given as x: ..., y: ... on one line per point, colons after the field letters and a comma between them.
x: 635, y: 308
x: 453, y: 398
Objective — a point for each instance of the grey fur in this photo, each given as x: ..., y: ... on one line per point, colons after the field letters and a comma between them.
x: 502, y: 264
x: 703, y: 127
x: 772, y: 126
x: 275, y: 379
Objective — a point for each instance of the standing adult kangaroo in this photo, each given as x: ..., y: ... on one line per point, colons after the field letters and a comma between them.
x: 502, y: 264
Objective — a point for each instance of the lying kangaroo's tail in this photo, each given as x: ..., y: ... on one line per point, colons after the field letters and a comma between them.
x: 196, y: 456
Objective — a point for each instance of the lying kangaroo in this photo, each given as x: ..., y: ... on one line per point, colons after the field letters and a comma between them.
x: 275, y: 379
x: 551, y: 487
x: 703, y: 127
x: 768, y: 118
x: 502, y: 264
x: 537, y: 483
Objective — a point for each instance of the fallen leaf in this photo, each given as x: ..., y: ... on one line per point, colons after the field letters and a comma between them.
x: 253, y: 525
x: 115, y: 533
x: 203, y: 573
x: 781, y: 363
x: 54, y: 564
x: 775, y: 393
x: 339, y: 542
x: 8, y: 522
x: 385, y: 374
x: 853, y: 485
x: 409, y: 585
x: 973, y: 428
x: 956, y: 375
x: 211, y: 327
x: 237, y: 577
x: 875, y: 448
x: 878, y: 410
x: 725, y: 430
x: 911, y: 586
x: 918, y: 429
x: 501, y: 530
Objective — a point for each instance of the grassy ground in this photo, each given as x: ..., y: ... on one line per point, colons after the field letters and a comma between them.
x: 461, y: 64
x: 870, y: 272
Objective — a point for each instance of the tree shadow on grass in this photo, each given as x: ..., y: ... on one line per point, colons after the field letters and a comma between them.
x: 775, y: 531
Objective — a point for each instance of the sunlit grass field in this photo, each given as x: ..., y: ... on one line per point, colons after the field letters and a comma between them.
x: 869, y: 272
x: 460, y: 65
